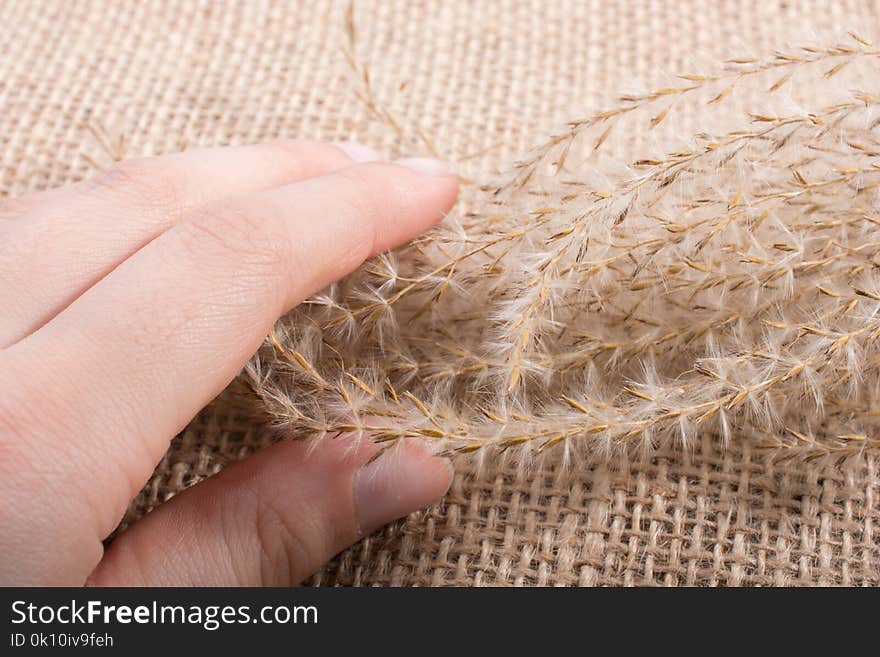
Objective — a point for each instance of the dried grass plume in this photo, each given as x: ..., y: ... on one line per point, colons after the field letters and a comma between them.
x: 720, y: 281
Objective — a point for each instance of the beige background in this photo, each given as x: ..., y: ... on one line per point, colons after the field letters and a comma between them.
x: 485, y: 80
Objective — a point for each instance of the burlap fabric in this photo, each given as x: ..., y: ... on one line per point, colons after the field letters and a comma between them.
x: 485, y: 80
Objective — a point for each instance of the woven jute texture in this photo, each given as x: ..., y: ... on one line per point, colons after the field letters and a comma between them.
x: 84, y: 82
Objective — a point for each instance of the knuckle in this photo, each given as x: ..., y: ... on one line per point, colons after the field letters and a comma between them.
x: 236, y: 234
x: 361, y: 197
x: 294, y: 147
x: 360, y: 184
x: 303, y: 158
x: 286, y: 548
x: 146, y: 180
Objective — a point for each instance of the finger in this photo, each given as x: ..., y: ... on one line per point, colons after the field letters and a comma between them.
x: 275, y: 518
x: 103, y: 387
x: 62, y: 242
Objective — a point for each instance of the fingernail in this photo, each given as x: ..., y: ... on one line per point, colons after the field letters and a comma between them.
x: 358, y: 152
x: 425, y: 165
x: 397, y: 483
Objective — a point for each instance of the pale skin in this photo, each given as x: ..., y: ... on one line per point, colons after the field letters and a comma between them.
x: 128, y: 302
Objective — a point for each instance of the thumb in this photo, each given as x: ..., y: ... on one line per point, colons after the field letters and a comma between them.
x: 276, y: 517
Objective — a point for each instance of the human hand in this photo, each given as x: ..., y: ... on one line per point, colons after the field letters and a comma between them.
x: 131, y: 300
